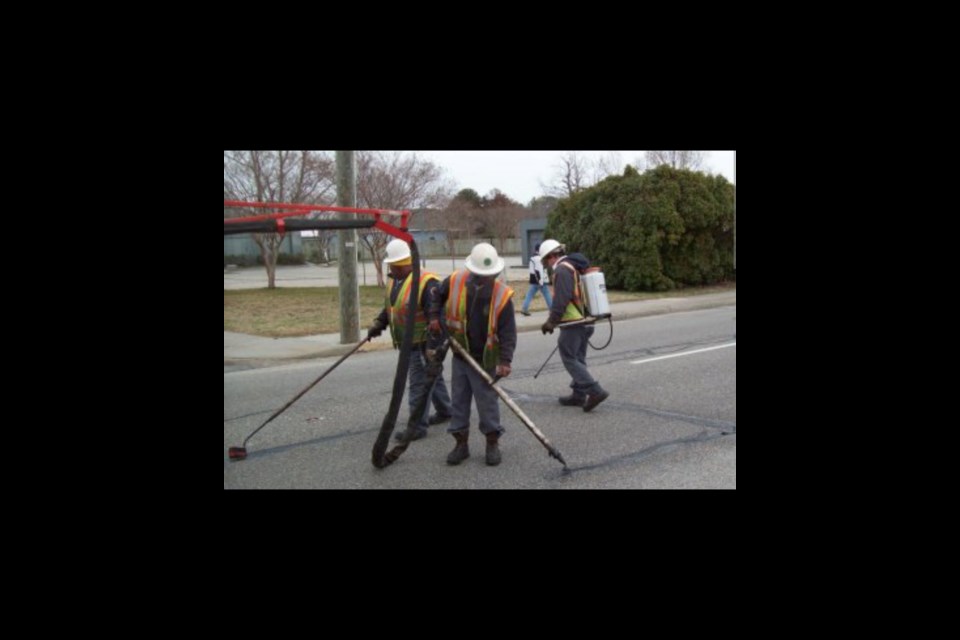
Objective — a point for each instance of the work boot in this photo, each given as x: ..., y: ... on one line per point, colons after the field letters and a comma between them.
x: 438, y: 419
x: 460, y: 452
x: 594, y: 399
x: 417, y: 435
x: 493, y: 451
x: 573, y: 400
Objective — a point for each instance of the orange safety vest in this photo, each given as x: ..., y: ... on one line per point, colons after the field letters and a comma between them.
x: 397, y: 312
x: 456, y: 314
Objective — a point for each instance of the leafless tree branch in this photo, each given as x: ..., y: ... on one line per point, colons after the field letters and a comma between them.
x: 276, y: 176
x: 396, y: 180
x: 692, y: 160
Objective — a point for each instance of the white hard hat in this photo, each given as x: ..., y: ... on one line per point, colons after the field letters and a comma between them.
x: 549, y: 246
x: 484, y: 261
x: 397, y: 250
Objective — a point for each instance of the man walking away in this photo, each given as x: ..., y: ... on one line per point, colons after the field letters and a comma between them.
x: 567, y: 306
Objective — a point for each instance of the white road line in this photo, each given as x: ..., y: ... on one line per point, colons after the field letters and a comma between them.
x: 685, y: 353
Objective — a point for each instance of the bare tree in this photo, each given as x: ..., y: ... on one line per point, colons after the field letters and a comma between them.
x: 461, y: 219
x: 275, y: 176
x: 576, y: 172
x: 502, y: 222
x: 677, y: 159
x: 571, y: 175
x: 499, y: 215
x: 430, y: 218
x: 395, y: 180
x: 541, y: 207
x: 454, y: 234
x: 465, y: 212
x: 609, y: 164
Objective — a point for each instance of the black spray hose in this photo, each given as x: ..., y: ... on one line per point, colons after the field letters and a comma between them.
x: 403, y: 366
x: 589, y: 320
x: 610, y: 320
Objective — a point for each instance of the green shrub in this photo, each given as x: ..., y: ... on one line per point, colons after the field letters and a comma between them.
x: 657, y: 231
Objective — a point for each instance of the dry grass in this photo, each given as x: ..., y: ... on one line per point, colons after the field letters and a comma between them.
x: 302, y: 311
x: 293, y: 311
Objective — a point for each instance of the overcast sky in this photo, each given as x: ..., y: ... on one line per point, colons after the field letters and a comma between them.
x: 519, y: 173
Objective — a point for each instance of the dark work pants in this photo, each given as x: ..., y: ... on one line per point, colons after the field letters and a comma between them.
x: 573, y: 352
x: 466, y: 385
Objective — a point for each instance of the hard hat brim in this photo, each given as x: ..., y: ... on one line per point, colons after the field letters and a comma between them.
x: 493, y: 270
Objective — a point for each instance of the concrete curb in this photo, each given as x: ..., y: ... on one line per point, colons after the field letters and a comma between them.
x: 629, y: 310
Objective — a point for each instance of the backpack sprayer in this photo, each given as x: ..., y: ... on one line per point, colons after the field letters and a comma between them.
x: 595, y: 290
x: 597, y: 307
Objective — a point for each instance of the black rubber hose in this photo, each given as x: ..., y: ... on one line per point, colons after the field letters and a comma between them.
x: 434, y: 371
x: 291, y: 224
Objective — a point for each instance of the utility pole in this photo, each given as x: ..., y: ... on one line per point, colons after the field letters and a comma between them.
x: 734, y: 210
x: 452, y: 239
x: 347, y: 243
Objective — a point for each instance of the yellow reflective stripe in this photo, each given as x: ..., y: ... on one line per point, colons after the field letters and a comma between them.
x: 457, y: 282
x: 577, y: 299
x: 398, y: 315
x: 398, y: 312
x: 505, y: 294
x: 404, y: 296
x: 395, y: 310
x: 424, y: 279
x: 456, y: 306
x: 501, y: 296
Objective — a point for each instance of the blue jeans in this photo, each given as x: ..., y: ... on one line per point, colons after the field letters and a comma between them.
x: 418, y: 388
x: 532, y: 291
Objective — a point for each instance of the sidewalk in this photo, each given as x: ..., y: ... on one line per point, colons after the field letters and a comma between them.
x: 312, y: 275
x: 239, y: 347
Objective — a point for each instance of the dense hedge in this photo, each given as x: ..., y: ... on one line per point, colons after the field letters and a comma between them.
x: 663, y: 229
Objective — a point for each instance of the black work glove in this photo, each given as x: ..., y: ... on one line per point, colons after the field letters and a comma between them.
x: 375, y: 330
x: 433, y: 369
x: 548, y: 327
x: 436, y: 355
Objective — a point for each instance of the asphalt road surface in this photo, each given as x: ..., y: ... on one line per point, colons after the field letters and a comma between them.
x: 670, y: 421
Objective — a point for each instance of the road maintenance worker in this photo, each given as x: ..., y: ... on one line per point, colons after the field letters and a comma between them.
x: 394, y: 315
x: 479, y: 315
x: 567, y: 306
